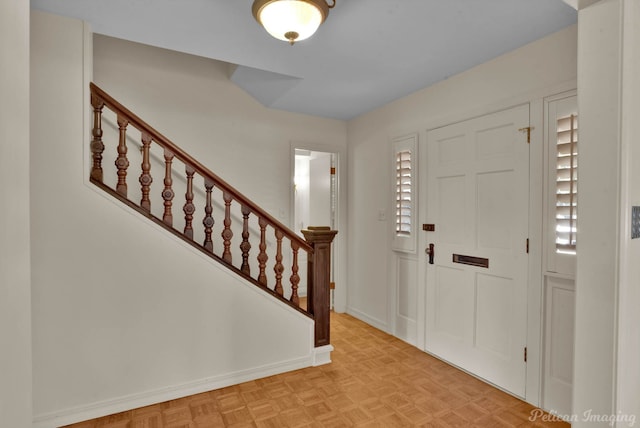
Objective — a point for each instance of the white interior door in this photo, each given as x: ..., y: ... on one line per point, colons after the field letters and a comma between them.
x: 478, y: 200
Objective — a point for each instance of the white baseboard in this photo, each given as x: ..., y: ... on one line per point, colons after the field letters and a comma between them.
x: 322, y: 355
x: 406, y: 330
x: 134, y: 401
x: 380, y: 325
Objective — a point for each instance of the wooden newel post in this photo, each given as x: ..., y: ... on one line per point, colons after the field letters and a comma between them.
x: 318, y: 279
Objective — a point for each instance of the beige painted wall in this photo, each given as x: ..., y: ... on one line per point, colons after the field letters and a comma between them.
x: 628, y: 371
x: 15, y: 283
x: 192, y: 101
x: 123, y: 313
x: 607, y: 345
x: 596, y: 282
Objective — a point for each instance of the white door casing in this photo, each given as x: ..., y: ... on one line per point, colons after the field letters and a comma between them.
x: 478, y: 200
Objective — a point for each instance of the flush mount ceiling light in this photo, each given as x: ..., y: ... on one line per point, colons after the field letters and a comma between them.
x: 291, y: 20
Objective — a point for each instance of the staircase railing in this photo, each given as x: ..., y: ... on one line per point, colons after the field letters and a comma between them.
x: 244, y: 226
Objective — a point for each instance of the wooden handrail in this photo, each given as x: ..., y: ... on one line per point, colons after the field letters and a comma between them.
x: 163, y: 141
x: 235, y: 227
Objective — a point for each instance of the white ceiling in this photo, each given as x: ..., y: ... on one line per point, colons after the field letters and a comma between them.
x: 367, y: 53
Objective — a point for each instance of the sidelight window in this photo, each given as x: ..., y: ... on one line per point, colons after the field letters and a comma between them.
x: 405, y: 157
x: 566, y: 183
x: 404, y: 203
x: 561, y: 138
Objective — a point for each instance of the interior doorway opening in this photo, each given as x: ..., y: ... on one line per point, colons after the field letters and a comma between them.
x: 314, y: 189
x: 314, y: 195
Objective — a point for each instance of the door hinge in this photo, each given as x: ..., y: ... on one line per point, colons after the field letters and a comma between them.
x: 527, y: 245
x: 528, y: 131
x: 525, y: 354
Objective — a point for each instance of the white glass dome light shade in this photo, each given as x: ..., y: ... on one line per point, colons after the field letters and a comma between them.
x: 290, y: 20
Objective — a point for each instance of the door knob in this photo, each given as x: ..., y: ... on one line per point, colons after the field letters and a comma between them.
x: 430, y: 250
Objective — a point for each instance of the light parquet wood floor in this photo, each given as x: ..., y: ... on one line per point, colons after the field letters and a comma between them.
x: 374, y: 380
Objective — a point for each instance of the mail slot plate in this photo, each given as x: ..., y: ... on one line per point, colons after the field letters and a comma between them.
x: 471, y: 260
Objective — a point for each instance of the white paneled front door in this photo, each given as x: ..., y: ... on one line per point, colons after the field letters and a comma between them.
x: 476, y: 283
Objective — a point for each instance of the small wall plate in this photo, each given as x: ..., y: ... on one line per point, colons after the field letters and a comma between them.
x: 635, y: 222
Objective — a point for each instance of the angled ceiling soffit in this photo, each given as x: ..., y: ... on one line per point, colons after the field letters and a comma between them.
x: 265, y: 86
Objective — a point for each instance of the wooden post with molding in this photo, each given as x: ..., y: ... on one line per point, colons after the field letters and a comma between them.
x: 318, y: 280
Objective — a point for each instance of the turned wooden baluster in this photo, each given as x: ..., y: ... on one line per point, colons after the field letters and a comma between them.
x: 145, y: 176
x: 122, y: 163
x: 295, y: 278
x: 227, y: 233
x: 97, y: 147
x: 167, y: 193
x: 262, y: 256
x: 208, y: 219
x: 245, y: 246
x: 279, y: 267
x: 189, y: 207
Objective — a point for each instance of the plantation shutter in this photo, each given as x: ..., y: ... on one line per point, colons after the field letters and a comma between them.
x: 566, y: 184
x: 404, y: 204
